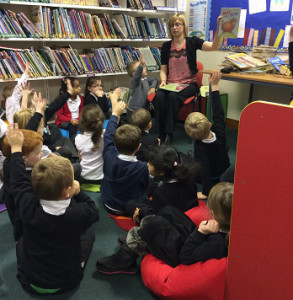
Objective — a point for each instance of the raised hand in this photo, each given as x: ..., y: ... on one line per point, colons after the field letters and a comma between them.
x: 214, y: 80
x: 27, y: 68
x: 26, y: 90
x: 118, y: 107
x: 69, y: 86
x: 141, y: 60
x: 40, y: 103
x: 14, y: 138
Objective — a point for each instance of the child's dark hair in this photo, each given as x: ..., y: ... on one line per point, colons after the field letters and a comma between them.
x: 90, y: 82
x: 92, y: 120
x: 63, y: 88
x: 167, y: 160
x: 141, y: 118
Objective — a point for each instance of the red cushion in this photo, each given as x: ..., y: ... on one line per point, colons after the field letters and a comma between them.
x: 200, y: 281
x: 151, y: 97
x: 123, y: 222
x: 188, y: 100
x: 199, y: 213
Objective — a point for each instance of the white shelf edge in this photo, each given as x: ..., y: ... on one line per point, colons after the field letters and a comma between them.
x: 73, y: 75
x: 78, y: 40
x: 88, y: 7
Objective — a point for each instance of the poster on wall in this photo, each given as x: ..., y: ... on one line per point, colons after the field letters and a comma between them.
x: 197, y: 18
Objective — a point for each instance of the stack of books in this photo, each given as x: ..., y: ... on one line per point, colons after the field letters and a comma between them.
x: 48, y: 61
x: 140, y: 4
x: 245, y: 61
x: 109, y: 3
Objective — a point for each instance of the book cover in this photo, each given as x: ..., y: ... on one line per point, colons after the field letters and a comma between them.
x: 244, y: 61
x: 229, y: 24
x: 174, y: 87
x: 276, y: 62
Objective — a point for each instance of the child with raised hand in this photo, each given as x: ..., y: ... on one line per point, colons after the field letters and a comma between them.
x: 31, y: 153
x: 68, y: 116
x: 141, y: 85
x: 210, y: 146
x: 94, y: 94
x: 56, y: 217
x: 90, y: 144
x: 12, y: 95
x: 125, y: 177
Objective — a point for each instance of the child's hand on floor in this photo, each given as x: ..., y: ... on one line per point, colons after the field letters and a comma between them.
x: 40, y: 103
x: 208, y: 227
x: 214, y: 80
x: 14, y: 138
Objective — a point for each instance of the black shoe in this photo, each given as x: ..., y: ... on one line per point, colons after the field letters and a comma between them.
x: 116, y: 264
x: 169, y: 139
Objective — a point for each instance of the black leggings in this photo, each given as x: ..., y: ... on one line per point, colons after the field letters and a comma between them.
x: 167, y: 105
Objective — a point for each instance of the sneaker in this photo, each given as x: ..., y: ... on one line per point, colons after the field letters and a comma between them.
x: 110, y: 265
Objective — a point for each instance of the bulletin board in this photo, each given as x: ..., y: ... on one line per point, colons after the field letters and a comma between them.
x: 276, y: 20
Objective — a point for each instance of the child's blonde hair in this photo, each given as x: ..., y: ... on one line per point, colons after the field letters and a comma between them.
x: 131, y: 67
x: 220, y: 203
x: 180, y: 18
x: 92, y: 120
x: 197, y: 126
x: 22, y: 117
x: 32, y: 139
x: 127, y: 138
x: 141, y: 118
x: 7, y: 91
x: 50, y: 176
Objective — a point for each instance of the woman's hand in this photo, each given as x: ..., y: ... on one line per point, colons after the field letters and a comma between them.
x: 163, y: 83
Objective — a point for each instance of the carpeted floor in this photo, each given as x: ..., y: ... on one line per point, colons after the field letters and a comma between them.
x: 93, y: 285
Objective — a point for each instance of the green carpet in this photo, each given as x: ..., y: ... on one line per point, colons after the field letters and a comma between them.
x: 93, y: 285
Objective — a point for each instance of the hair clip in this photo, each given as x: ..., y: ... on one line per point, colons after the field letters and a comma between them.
x: 175, y: 163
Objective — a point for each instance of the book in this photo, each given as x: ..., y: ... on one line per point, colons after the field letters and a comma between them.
x: 244, y: 61
x: 174, y: 87
x: 229, y: 24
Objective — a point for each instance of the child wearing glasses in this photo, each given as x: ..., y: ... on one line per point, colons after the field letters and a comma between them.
x: 141, y: 85
x: 94, y: 94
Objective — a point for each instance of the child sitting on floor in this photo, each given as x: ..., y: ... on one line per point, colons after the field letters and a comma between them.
x: 143, y: 120
x: 172, y: 237
x: 141, y: 85
x: 90, y: 144
x: 31, y: 153
x: 56, y: 216
x: 12, y: 95
x: 94, y: 94
x: 178, y: 186
x: 210, y: 146
x: 68, y: 116
x: 125, y: 177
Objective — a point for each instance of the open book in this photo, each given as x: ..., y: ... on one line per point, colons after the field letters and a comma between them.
x: 174, y: 87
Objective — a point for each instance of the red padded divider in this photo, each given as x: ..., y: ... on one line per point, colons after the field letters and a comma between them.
x: 123, y: 222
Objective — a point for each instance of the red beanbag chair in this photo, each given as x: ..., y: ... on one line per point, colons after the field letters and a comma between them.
x: 123, y: 222
x: 199, y: 213
x: 200, y: 281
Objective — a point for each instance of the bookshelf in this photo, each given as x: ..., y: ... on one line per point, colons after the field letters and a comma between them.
x: 49, y: 84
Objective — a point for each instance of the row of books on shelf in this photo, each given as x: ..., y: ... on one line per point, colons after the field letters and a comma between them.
x: 65, y: 23
x: 70, y: 23
x: 135, y: 4
x: 47, y: 61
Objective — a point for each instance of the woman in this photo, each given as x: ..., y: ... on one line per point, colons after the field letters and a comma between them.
x: 178, y: 58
